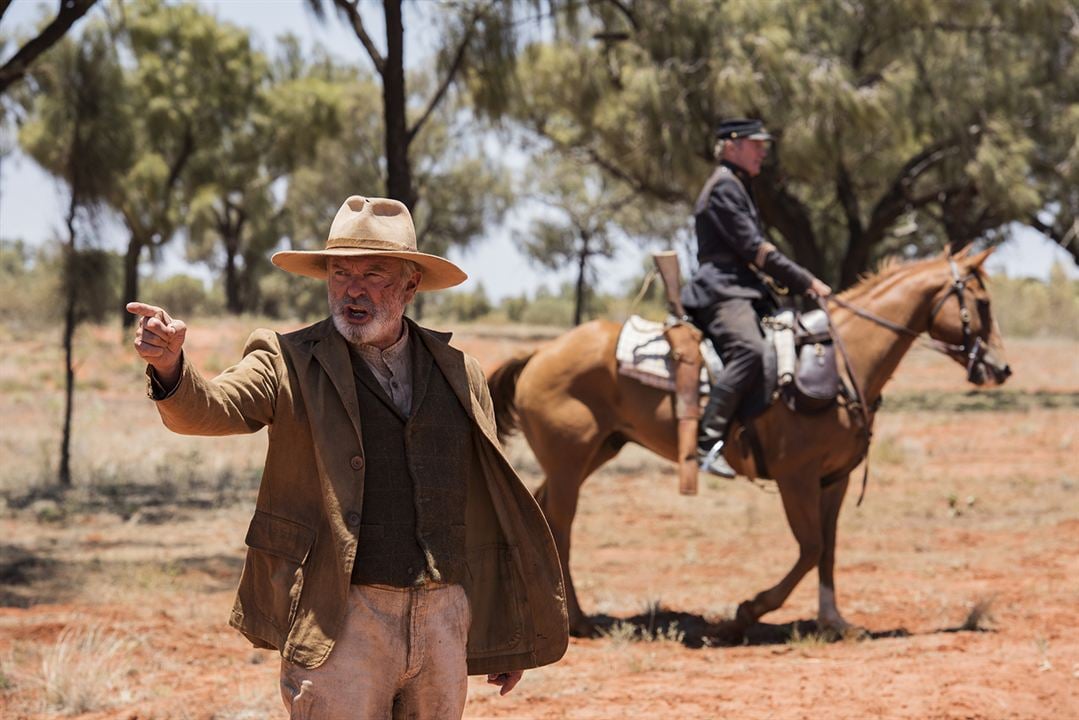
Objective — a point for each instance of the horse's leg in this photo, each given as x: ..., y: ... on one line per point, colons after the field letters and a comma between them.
x: 802, y: 504
x: 565, y: 472
x: 828, y: 616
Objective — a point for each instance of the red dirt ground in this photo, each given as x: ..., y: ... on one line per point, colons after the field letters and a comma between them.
x: 971, y: 503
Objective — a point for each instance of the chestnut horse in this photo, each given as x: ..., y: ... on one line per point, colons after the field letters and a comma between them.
x: 577, y: 411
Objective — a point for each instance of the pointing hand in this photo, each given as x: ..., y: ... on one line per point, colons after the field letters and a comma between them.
x: 159, y: 340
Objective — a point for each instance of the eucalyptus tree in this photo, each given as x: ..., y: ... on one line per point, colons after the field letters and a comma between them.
x: 236, y: 214
x: 76, y: 129
x: 191, y: 76
x: 473, y: 45
x: 462, y: 190
x: 901, y: 126
x: 586, y: 214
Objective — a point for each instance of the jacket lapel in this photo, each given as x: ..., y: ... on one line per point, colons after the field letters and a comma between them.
x: 450, y: 361
x: 329, y: 349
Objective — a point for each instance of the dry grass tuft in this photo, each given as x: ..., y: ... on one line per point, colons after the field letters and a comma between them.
x: 979, y: 618
x: 84, y: 671
x: 809, y: 640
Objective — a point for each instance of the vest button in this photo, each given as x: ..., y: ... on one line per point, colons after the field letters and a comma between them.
x: 353, y: 518
x: 356, y: 462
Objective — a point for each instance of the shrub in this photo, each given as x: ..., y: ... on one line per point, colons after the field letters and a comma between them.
x: 548, y: 310
x: 285, y: 296
x: 1026, y: 307
x: 182, y: 295
x: 26, y: 289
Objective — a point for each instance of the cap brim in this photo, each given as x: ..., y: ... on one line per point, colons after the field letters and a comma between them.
x: 762, y: 135
x: 438, y: 273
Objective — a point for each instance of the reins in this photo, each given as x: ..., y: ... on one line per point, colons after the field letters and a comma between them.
x: 859, y: 395
x: 972, y: 353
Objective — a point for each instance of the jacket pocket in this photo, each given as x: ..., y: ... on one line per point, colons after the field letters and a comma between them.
x: 277, y: 551
x: 495, y: 601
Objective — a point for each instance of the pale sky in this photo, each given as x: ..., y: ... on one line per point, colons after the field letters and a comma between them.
x: 32, y: 204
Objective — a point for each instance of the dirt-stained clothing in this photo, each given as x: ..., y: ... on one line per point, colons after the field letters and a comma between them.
x: 303, y: 538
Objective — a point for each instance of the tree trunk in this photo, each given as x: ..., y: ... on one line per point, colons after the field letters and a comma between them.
x: 398, y: 167
x: 64, y: 470
x: 781, y: 210
x: 131, y: 280
x: 582, y: 269
x: 856, y: 258
x: 230, y: 226
x: 233, y: 297
x: 16, y: 67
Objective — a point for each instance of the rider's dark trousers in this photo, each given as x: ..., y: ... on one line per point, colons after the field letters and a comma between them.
x: 734, y: 329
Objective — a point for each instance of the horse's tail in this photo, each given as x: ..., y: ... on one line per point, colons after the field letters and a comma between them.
x: 503, y: 385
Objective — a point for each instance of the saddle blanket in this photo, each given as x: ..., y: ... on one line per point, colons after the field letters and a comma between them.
x: 644, y: 354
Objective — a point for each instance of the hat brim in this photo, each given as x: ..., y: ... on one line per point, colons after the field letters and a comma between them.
x: 762, y: 135
x: 438, y: 273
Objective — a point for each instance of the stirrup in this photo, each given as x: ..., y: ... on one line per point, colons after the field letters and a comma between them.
x: 714, y: 462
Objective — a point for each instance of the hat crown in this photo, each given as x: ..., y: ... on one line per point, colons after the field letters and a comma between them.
x: 736, y: 128
x: 367, y: 226
x: 372, y: 223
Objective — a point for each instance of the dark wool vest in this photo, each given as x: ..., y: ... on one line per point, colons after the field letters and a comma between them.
x: 412, y: 525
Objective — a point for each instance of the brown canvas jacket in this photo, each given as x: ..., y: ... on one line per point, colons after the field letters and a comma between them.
x: 303, y: 536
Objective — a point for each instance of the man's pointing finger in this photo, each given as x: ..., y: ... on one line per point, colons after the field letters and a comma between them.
x: 138, y: 308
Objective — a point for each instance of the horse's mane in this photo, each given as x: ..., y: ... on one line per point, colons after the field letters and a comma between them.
x: 887, y: 269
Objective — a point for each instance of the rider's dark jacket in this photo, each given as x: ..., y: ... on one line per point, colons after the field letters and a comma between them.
x: 731, y: 245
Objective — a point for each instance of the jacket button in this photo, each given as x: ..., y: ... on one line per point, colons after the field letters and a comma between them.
x: 356, y: 462
x: 353, y: 518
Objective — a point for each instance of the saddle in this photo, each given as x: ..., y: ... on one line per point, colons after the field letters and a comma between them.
x: 799, y: 369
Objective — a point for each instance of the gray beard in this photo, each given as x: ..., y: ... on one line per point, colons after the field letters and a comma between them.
x: 382, y: 319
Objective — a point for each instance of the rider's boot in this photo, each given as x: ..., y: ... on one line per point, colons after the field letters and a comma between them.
x: 722, y: 402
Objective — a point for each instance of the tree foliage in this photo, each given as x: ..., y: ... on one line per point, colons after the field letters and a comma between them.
x: 901, y: 125
x: 477, y: 37
x: 193, y: 79
x: 235, y: 215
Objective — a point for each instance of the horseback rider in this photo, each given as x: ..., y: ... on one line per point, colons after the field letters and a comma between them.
x: 727, y: 290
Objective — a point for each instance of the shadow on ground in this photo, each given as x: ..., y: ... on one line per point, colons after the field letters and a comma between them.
x: 695, y: 631
x: 28, y: 579
x: 981, y: 401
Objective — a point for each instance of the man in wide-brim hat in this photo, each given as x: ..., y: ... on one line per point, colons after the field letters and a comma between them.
x: 393, y: 550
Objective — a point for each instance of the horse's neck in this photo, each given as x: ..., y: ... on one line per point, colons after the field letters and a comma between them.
x: 875, y: 351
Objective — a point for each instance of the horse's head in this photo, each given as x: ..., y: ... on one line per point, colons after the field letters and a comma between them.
x: 962, y: 318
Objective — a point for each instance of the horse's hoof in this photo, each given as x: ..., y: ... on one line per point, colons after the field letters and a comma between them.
x: 744, y: 616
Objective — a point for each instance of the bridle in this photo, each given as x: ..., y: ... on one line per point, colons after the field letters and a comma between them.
x: 971, y: 353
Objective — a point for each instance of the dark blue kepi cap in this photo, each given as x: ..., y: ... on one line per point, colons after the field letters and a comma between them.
x: 742, y: 128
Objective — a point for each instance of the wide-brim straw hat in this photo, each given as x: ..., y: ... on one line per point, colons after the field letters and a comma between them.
x: 372, y: 226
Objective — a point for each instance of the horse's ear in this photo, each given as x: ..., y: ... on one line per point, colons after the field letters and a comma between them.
x: 975, y: 261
